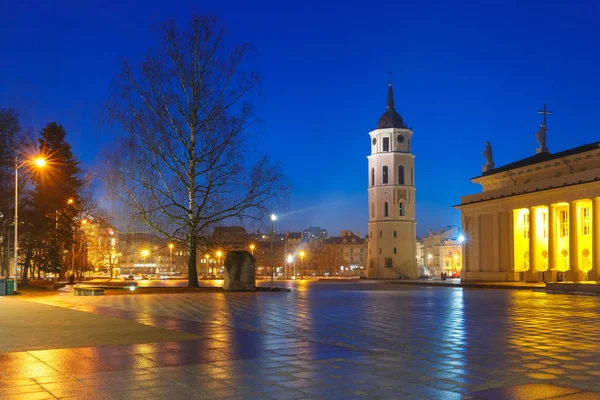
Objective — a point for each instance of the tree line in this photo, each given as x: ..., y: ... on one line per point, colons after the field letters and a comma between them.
x: 182, y: 162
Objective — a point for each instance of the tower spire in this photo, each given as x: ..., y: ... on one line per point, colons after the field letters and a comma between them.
x: 390, y: 101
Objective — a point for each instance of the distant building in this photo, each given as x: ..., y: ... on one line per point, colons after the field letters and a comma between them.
x: 230, y: 237
x: 352, y: 249
x: 423, y: 271
x: 442, y: 251
x: 313, y: 233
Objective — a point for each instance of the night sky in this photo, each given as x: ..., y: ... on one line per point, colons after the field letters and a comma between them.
x: 461, y: 74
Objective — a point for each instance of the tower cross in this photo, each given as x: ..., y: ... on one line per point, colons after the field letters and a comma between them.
x: 545, y: 112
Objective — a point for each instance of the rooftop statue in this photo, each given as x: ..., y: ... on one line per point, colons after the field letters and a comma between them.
x: 489, y: 159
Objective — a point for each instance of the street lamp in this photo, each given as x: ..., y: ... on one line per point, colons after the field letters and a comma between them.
x: 273, y: 219
x: 171, y: 256
x: 301, y: 254
x: 40, y: 163
x: 289, y: 261
x: 252, y: 247
x: 144, y: 255
x: 219, y: 254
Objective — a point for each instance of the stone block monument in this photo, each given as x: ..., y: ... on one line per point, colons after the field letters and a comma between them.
x: 240, y: 273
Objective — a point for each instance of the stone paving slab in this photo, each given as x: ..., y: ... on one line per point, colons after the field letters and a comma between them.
x: 29, y: 326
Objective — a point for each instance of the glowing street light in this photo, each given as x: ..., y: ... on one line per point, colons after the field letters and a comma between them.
x: 252, y: 247
x: 219, y: 254
x: 171, y: 245
x: 144, y: 255
x: 461, y: 238
x: 273, y: 219
x: 40, y: 163
x: 301, y: 254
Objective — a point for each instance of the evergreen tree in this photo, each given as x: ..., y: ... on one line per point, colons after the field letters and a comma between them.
x: 55, y: 197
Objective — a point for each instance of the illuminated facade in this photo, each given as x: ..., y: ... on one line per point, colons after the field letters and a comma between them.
x: 392, y: 226
x: 537, y: 219
x: 442, y: 250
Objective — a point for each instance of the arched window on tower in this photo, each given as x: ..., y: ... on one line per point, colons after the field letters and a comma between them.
x: 401, y: 208
x: 385, y: 175
x: 372, y: 176
x: 401, y: 175
x: 372, y: 210
x: 385, y: 209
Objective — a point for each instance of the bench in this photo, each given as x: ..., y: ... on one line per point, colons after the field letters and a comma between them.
x: 88, y: 291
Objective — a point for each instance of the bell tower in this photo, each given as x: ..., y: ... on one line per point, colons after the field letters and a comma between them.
x: 392, y: 224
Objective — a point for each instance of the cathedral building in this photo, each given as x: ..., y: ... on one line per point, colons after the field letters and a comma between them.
x: 391, y: 187
x: 536, y: 219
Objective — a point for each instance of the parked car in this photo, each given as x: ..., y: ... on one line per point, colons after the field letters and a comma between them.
x: 130, y: 278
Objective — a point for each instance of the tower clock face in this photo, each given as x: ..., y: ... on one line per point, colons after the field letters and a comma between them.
x: 400, y: 138
x: 374, y: 141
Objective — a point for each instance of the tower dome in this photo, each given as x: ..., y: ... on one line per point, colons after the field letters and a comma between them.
x: 390, y: 118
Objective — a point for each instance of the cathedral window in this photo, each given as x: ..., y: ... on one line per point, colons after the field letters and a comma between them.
x: 394, y: 250
x: 564, y: 224
x: 401, y: 209
x: 394, y: 233
x: 585, y: 223
x: 401, y: 175
x: 386, y: 144
x: 545, y: 224
x: 388, y: 263
x: 385, y: 174
x: 372, y: 176
x: 385, y: 209
x: 372, y: 210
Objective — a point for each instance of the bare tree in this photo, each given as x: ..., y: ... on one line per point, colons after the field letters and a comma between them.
x: 183, y: 163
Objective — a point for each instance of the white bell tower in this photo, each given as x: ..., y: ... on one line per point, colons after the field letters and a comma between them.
x: 392, y: 225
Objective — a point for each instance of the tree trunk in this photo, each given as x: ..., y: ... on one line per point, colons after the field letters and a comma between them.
x: 192, y: 271
x: 27, y: 264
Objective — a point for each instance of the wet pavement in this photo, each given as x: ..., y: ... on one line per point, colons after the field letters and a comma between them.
x: 359, y: 340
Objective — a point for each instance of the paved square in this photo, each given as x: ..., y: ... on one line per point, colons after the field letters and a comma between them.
x: 361, y: 340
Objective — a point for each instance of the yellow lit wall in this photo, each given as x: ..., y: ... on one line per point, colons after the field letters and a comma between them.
x: 562, y: 242
x: 584, y: 240
x: 521, y: 243
x: 541, y: 242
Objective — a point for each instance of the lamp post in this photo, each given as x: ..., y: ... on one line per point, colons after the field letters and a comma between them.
x: 273, y: 219
x: 219, y: 254
x: 144, y: 255
x: 289, y: 260
x: 39, y: 162
x: 302, y: 254
x: 171, y: 257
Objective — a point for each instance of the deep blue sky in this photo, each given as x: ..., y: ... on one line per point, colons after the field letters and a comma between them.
x: 462, y: 73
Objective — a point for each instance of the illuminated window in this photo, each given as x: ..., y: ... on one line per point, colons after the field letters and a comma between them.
x: 401, y: 209
x: 401, y: 175
x: 385, y: 174
x: 585, y: 216
x: 545, y: 224
x: 564, y: 224
x: 526, y: 225
x: 386, y: 144
x: 385, y: 209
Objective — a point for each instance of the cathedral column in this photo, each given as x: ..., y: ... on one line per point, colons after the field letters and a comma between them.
x: 551, y: 243
x: 594, y: 274
x: 531, y: 274
x: 573, y: 274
